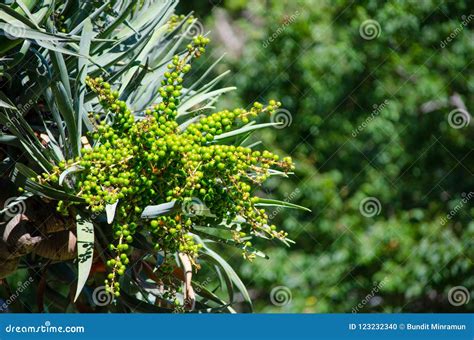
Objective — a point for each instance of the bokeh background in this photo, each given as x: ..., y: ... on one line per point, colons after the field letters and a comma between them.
x: 378, y: 98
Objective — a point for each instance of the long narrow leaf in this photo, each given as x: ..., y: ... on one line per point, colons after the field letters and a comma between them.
x: 110, y: 211
x: 152, y: 211
x: 212, y: 256
x: 69, y: 171
x: 266, y: 202
x: 85, y: 252
x: 183, y: 109
x: 65, y: 107
x: 243, y: 130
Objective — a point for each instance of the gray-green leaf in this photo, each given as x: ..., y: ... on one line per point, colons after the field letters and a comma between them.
x: 85, y: 252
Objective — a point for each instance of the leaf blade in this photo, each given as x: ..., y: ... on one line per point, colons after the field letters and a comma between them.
x: 85, y: 252
x: 152, y: 211
x: 267, y: 202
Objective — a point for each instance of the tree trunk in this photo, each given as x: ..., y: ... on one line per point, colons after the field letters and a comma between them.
x: 36, y: 228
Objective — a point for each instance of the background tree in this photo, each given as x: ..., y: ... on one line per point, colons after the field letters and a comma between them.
x: 380, y: 99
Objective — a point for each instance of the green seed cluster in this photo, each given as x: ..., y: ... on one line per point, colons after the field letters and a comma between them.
x: 137, y: 163
x: 176, y: 19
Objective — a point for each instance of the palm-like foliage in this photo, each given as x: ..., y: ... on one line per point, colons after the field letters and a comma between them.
x: 47, y: 50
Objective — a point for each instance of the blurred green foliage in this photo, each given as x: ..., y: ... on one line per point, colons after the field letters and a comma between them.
x: 370, y: 118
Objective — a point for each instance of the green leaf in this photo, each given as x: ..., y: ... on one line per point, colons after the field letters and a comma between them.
x: 56, y: 48
x: 117, y: 21
x: 47, y: 7
x: 22, y: 130
x: 49, y: 97
x: 59, y: 65
x: 228, y: 271
x: 71, y: 170
x: 110, y: 211
x: 42, y: 189
x: 204, y: 76
x: 9, y: 139
x: 53, y: 145
x: 134, y: 83
x: 274, y: 172
x: 90, y: 17
x: 152, y: 211
x: 193, y: 120
x: 65, y: 107
x: 22, y: 32
x: 82, y: 63
x: 85, y: 252
x: 27, y: 12
x: 266, y: 202
x: 243, y: 130
x: 232, y: 243
x: 147, y: 16
x: 195, y: 100
x: 9, y: 15
x: 142, y: 306
x: 16, y: 201
x: 6, y: 105
x: 201, y: 291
